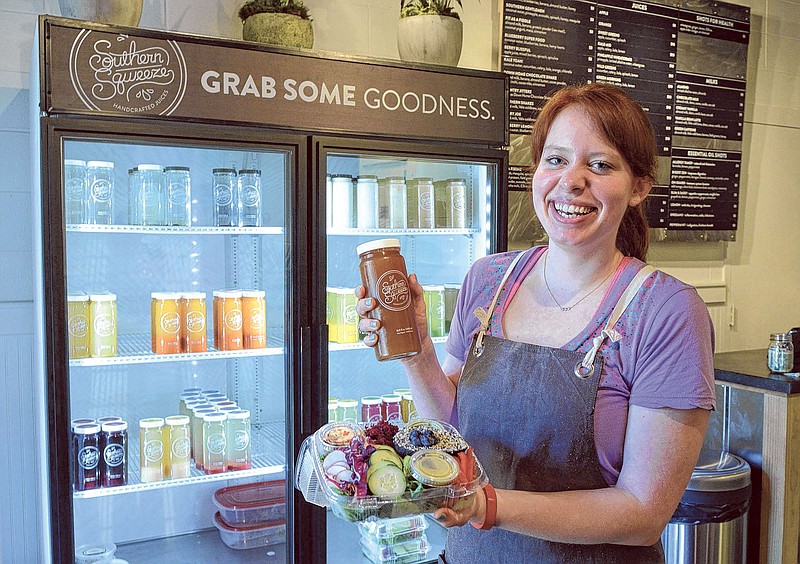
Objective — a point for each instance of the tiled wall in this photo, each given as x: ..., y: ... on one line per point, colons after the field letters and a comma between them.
x: 759, y: 270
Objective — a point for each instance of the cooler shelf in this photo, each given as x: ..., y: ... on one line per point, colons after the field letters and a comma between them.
x: 269, y: 454
x: 175, y: 229
x: 136, y: 349
x: 360, y: 345
x: 391, y: 231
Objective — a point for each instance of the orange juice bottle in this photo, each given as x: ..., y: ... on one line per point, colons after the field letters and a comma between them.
x: 228, y: 320
x: 254, y: 319
x: 193, y: 328
x: 165, y: 322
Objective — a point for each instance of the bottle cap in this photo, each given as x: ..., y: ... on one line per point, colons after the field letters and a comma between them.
x: 224, y: 171
x: 250, y: 171
x: 253, y: 293
x: 165, y: 295
x: 227, y: 294
x: 151, y: 423
x: 74, y: 162
x: 100, y: 164
x: 114, y: 426
x: 377, y: 244
x: 193, y: 295
x: 371, y: 400
x: 348, y: 403
x: 83, y: 421
x: 177, y: 420
x: 87, y: 429
x: 77, y: 297
x: 390, y: 398
x: 176, y: 168
x: 150, y: 167
x: 780, y: 337
x: 104, y: 297
x: 108, y: 419
x: 214, y: 417
x: 239, y: 414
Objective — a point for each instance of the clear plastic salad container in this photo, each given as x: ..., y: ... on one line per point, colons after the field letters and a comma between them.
x: 394, y: 531
x: 402, y: 553
x: 321, y: 490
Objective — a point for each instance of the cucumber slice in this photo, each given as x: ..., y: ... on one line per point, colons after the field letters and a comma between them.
x: 387, y: 480
x: 387, y: 455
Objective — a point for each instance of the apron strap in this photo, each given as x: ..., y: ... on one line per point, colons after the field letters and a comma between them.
x: 585, y: 368
x: 483, y: 315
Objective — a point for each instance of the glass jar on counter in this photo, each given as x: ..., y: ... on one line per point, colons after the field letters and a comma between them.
x: 780, y: 354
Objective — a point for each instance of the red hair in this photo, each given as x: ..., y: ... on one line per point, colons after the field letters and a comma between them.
x: 624, y: 124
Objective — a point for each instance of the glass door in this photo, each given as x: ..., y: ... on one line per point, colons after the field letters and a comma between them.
x: 442, y: 210
x: 176, y: 272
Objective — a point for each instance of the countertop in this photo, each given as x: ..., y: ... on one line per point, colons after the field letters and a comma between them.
x: 749, y: 368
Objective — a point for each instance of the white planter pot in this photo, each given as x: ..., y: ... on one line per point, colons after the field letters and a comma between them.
x: 430, y: 39
x: 116, y: 12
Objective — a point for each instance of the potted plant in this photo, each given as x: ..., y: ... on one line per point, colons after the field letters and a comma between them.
x: 115, y: 12
x: 277, y: 22
x: 430, y: 31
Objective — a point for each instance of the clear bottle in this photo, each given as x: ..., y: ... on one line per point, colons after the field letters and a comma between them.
x: 238, y: 450
x: 198, y: 412
x: 250, y: 198
x: 177, y: 437
x: 367, y: 202
x: 150, y: 202
x: 341, y: 201
x: 75, y: 186
x: 100, y: 179
x: 383, y: 273
x: 393, y: 205
x: 457, y: 192
x: 177, y: 196
x: 134, y: 183
x: 114, y: 446
x: 225, y: 197
x: 780, y: 354
x: 214, y: 443
x: 151, y: 449
x: 103, y: 324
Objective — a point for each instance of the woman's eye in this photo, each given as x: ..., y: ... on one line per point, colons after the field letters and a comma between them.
x: 553, y: 160
x: 601, y: 166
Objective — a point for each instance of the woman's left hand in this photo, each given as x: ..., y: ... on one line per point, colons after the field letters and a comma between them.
x: 473, y: 512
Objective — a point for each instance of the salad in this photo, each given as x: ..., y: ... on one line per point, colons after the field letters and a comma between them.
x: 387, y: 471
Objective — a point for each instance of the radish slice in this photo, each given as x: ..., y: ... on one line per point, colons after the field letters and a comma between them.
x: 345, y: 476
x: 334, y: 457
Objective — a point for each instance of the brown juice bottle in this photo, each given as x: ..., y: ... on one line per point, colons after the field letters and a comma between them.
x: 383, y: 273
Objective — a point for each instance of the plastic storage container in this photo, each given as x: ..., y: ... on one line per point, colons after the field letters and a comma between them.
x: 309, y: 479
x: 260, y: 503
x: 386, y: 532
x: 406, y: 552
x: 250, y: 536
x: 88, y: 553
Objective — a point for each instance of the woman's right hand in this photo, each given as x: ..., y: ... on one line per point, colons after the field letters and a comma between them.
x: 370, y: 326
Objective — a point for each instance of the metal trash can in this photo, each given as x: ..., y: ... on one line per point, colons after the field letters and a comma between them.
x: 710, y: 524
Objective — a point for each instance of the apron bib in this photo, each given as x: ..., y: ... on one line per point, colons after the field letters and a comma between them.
x: 528, y: 411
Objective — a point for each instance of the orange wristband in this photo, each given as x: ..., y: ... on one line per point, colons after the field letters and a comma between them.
x: 490, y: 513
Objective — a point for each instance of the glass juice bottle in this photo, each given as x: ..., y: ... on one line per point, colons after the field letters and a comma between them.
x: 193, y: 316
x: 228, y: 320
x: 103, y: 319
x: 165, y: 322
x: 254, y: 319
x: 75, y: 191
x: 214, y: 443
x: 198, y: 413
x: 238, y: 454
x: 177, y: 436
x: 87, y: 456
x: 114, y: 445
x: 151, y: 449
x: 100, y: 179
x: 78, y: 325
x: 150, y: 201
x: 177, y: 196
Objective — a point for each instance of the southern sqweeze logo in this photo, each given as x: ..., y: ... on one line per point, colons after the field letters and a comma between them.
x: 124, y: 74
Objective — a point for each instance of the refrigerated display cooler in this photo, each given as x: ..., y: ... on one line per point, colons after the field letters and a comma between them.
x: 201, y: 201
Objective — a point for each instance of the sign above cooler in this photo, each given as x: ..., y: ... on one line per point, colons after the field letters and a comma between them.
x: 101, y: 70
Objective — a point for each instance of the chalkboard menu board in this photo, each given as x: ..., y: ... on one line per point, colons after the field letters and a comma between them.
x: 683, y: 60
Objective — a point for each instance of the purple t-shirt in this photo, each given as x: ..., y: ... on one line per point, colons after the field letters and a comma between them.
x: 664, y: 359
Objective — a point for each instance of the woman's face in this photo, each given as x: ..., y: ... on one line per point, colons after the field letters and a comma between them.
x: 582, y: 186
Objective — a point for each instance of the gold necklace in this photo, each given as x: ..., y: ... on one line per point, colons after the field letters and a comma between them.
x: 549, y: 291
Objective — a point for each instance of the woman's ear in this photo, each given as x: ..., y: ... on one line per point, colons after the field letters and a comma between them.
x: 641, y: 188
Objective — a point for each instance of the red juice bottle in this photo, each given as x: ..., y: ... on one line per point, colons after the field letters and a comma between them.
x: 87, y: 457
x: 114, y: 445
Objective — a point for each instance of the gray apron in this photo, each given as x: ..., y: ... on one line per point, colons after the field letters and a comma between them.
x: 528, y: 411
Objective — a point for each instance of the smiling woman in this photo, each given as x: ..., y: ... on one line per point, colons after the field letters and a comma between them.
x: 584, y: 380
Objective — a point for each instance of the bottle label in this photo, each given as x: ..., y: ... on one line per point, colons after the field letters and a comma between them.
x: 393, y: 291
x: 250, y: 195
x: 170, y: 322
x: 177, y: 194
x: 114, y: 455
x: 233, y: 319
x: 223, y: 195
x: 78, y: 325
x: 350, y: 314
x: 104, y: 325
x: 216, y: 443
x: 153, y: 451
x: 74, y: 189
x: 180, y: 447
x: 195, y: 321
x: 241, y: 440
x: 88, y: 457
x: 426, y: 201
x: 101, y: 190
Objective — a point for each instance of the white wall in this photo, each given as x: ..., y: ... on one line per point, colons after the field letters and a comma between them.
x: 757, y: 274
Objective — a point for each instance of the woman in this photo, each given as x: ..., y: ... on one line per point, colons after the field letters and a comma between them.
x: 582, y: 377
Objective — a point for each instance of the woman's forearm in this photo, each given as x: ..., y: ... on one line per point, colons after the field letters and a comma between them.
x: 433, y: 391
